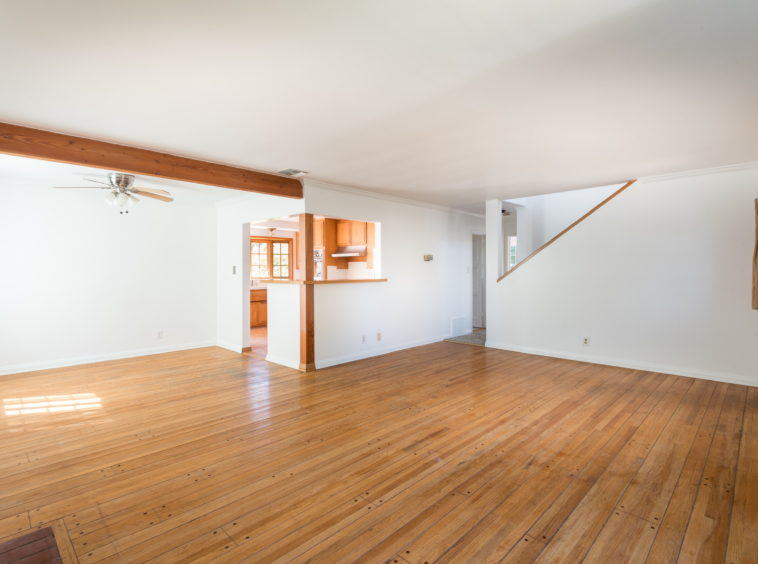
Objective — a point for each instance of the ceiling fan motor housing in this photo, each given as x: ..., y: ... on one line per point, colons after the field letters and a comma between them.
x: 121, y: 181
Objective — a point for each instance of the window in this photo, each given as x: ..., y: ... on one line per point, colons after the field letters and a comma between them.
x: 511, y: 252
x: 259, y: 259
x: 271, y: 258
x: 280, y: 259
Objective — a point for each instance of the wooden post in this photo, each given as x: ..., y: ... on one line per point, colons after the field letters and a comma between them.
x: 306, y: 269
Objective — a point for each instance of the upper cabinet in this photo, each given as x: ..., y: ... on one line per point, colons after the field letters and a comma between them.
x: 318, y: 233
x: 343, y: 233
x: 351, y: 233
x: 357, y: 232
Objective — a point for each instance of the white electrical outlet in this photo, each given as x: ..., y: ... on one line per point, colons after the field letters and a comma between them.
x: 160, y: 334
x: 364, y: 339
x: 378, y: 336
x: 586, y: 341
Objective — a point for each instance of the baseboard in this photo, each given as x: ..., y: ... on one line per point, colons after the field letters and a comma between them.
x: 62, y: 363
x: 377, y: 352
x: 229, y: 346
x: 283, y: 361
x: 634, y: 365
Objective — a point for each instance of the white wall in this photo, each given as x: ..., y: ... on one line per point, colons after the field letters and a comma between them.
x: 284, y: 324
x: 540, y: 218
x: 233, y: 219
x: 81, y: 283
x: 659, y: 278
x: 417, y: 304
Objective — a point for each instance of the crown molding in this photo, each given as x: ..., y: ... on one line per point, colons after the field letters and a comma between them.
x: 366, y: 194
x: 699, y: 172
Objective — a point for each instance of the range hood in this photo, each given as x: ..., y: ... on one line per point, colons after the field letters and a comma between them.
x: 350, y: 251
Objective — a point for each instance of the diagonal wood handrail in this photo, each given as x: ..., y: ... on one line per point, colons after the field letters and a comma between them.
x: 570, y: 227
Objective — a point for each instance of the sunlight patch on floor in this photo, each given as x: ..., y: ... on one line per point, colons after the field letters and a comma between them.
x: 50, y: 404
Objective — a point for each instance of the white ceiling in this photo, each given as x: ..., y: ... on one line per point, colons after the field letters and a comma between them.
x: 281, y: 224
x: 441, y: 101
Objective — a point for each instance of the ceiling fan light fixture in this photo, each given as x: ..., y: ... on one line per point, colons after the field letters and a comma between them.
x: 121, y: 191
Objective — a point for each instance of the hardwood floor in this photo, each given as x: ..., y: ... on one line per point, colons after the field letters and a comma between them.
x: 441, y: 453
x: 259, y: 342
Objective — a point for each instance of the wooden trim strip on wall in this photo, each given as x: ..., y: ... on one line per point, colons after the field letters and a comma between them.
x: 755, y: 260
x: 570, y: 227
x: 47, y: 146
x: 307, y: 274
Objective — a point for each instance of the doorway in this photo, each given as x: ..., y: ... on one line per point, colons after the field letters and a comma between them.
x: 479, y: 314
x: 273, y: 255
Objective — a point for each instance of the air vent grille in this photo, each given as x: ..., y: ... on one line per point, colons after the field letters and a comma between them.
x: 292, y: 172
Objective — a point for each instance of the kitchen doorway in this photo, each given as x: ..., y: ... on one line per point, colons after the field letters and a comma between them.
x: 478, y: 268
x: 273, y: 258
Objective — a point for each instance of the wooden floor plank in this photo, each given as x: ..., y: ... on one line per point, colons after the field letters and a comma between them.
x: 668, y: 540
x: 624, y: 539
x: 574, y: 539
x: 442, y: 453
x: 706, y: 536
x: 743, y: 531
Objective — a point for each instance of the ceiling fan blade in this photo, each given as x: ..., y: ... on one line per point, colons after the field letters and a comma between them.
x: 98, y: 182
x: 153, y: 191
x: 154, y: 196
x: 79, y: 187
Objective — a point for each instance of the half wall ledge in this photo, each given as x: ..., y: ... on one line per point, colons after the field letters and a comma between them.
x: 326, y: 281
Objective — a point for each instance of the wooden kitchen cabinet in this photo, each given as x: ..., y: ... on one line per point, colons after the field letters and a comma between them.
x: 357, y: 232
x: 343, y: 233
x: 351, y: 233
x: 318, y: 234
x: 258, y: 308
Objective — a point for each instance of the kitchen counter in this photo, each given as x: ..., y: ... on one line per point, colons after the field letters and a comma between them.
x: 327, y: 281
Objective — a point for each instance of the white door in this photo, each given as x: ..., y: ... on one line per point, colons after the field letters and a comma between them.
x: 478, y: 282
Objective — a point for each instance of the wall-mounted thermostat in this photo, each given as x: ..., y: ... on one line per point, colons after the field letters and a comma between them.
x: 428, y: 257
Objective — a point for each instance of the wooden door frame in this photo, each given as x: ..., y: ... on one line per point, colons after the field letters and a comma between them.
x: 471, y: 279
x: 307, y: 292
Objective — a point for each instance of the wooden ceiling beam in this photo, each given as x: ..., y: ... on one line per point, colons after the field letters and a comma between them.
x: 45, y: 145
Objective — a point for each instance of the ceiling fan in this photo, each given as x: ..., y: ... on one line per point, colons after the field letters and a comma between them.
x: 122, y: 190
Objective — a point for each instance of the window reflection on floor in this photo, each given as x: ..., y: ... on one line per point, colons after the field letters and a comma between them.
x: 51, y: 404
